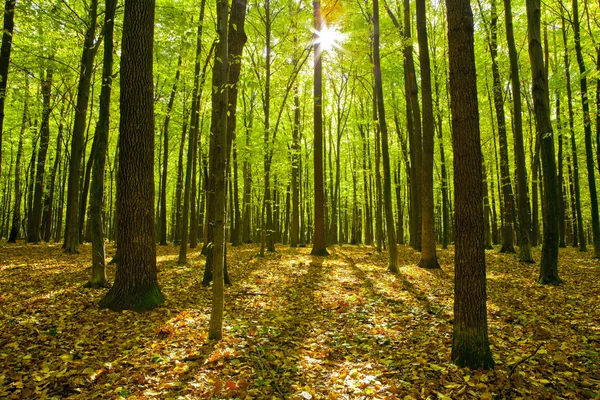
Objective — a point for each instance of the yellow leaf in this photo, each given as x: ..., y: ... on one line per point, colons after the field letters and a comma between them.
x: 88, y: 371
x: 66, y: 357
x: 18, y: 384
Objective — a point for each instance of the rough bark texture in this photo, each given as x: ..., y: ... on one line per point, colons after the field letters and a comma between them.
x: 318, y: 248
x: 136, y: 285
x: 470, y: 344
x: 549, y: 262
x: 219, y: 172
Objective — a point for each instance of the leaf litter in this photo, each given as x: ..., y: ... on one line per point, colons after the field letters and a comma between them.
x: 297, y: 327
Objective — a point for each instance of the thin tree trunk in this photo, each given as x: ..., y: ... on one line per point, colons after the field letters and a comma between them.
x: 7, y: 34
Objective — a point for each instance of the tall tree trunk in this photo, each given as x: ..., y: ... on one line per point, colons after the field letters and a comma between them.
x: 35, y: 219
x: 387, y: 179
x: 579, y: 235
x: 192, y: 142
x: 49, y: 199
x: 7, y: 32
x: 428, y: 251
x: 470, y: 344
x: 16, y: 219
x: 318, y: 248
x: 519, y: 148
x: 294, y: 231
x: 219, y: 172
x: 587, y: 128
x: 507, y: 192
x: 549, y: 261
x: 165, y: 166
x: 97, y: 198
x: 136, y: 285
x: 179, y: 187
x: 247, y: 216
x: 79, y: 125
x: 414, y: 129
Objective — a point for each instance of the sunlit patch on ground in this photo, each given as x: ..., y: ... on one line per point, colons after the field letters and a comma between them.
x: 297, y: 327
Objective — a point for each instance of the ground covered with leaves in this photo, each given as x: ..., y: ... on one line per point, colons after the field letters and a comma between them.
x: 297, y: 327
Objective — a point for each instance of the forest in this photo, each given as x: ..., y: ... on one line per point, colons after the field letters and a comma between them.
x: 286, y: 199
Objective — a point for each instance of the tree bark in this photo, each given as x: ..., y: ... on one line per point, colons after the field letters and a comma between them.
x: 16, y: 219
x: 549, y: 261
x: 136, y: 285
x: 319, y: 248
x: 470, y: 344
x: 428, y: 250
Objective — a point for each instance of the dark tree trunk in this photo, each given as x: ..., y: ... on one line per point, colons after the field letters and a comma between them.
x: 192, y: 142
x: 79, y: 125
x: 387, y: 179
x: 470, y: 344
x: 247, y: 216
x: 136, y: 285
x: 35, y: 218
x: 549, y: 261
x: 519, y: 148
x: 97, y: 199
x: 7, y: 32
x: 49, y: 199
x: 578, y: 233
x: 165, y: 166
x: 428, y: 250
x: 318, y: 248
x: 218, y: 172
x: 16, y: 219
x: 179, y: 187
x: 295, y: 228
x: 587, y: 128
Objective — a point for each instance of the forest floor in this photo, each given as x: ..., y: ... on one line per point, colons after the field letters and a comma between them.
x: 297, y: 327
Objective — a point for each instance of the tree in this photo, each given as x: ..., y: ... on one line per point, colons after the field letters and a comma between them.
x: 79, y: 125
x: 549, y: 261
x: 523, y: 199
x: 470, y: 344
x: 387, y: 184
x: 7, y: 33
x: 35, y: 217
x: 318, y: 248
x: 136, y: 285
x: 97, y: 198
x: 428, y: 252
x: 219, y: 172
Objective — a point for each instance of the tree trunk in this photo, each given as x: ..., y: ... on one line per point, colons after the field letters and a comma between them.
x: 318, y: 248
x: 219, y: 172
x: 163, y: 190
x: 470, y: 344
x: 549, y: 261
x: 587, y: 128
x: 519, y: 148
x: 79, y: 125
x: 97, y: 199
x: 35, y: 219
x: 136, y: 285
x: 49, y: 199
x: 247, y: 216
x: 579, y: 235
x: 387, y: 179
x: 179, y: 187
x: 16, y: 219
x: 7, y: 33
x: 193, y: 138
x: 428, y: 250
